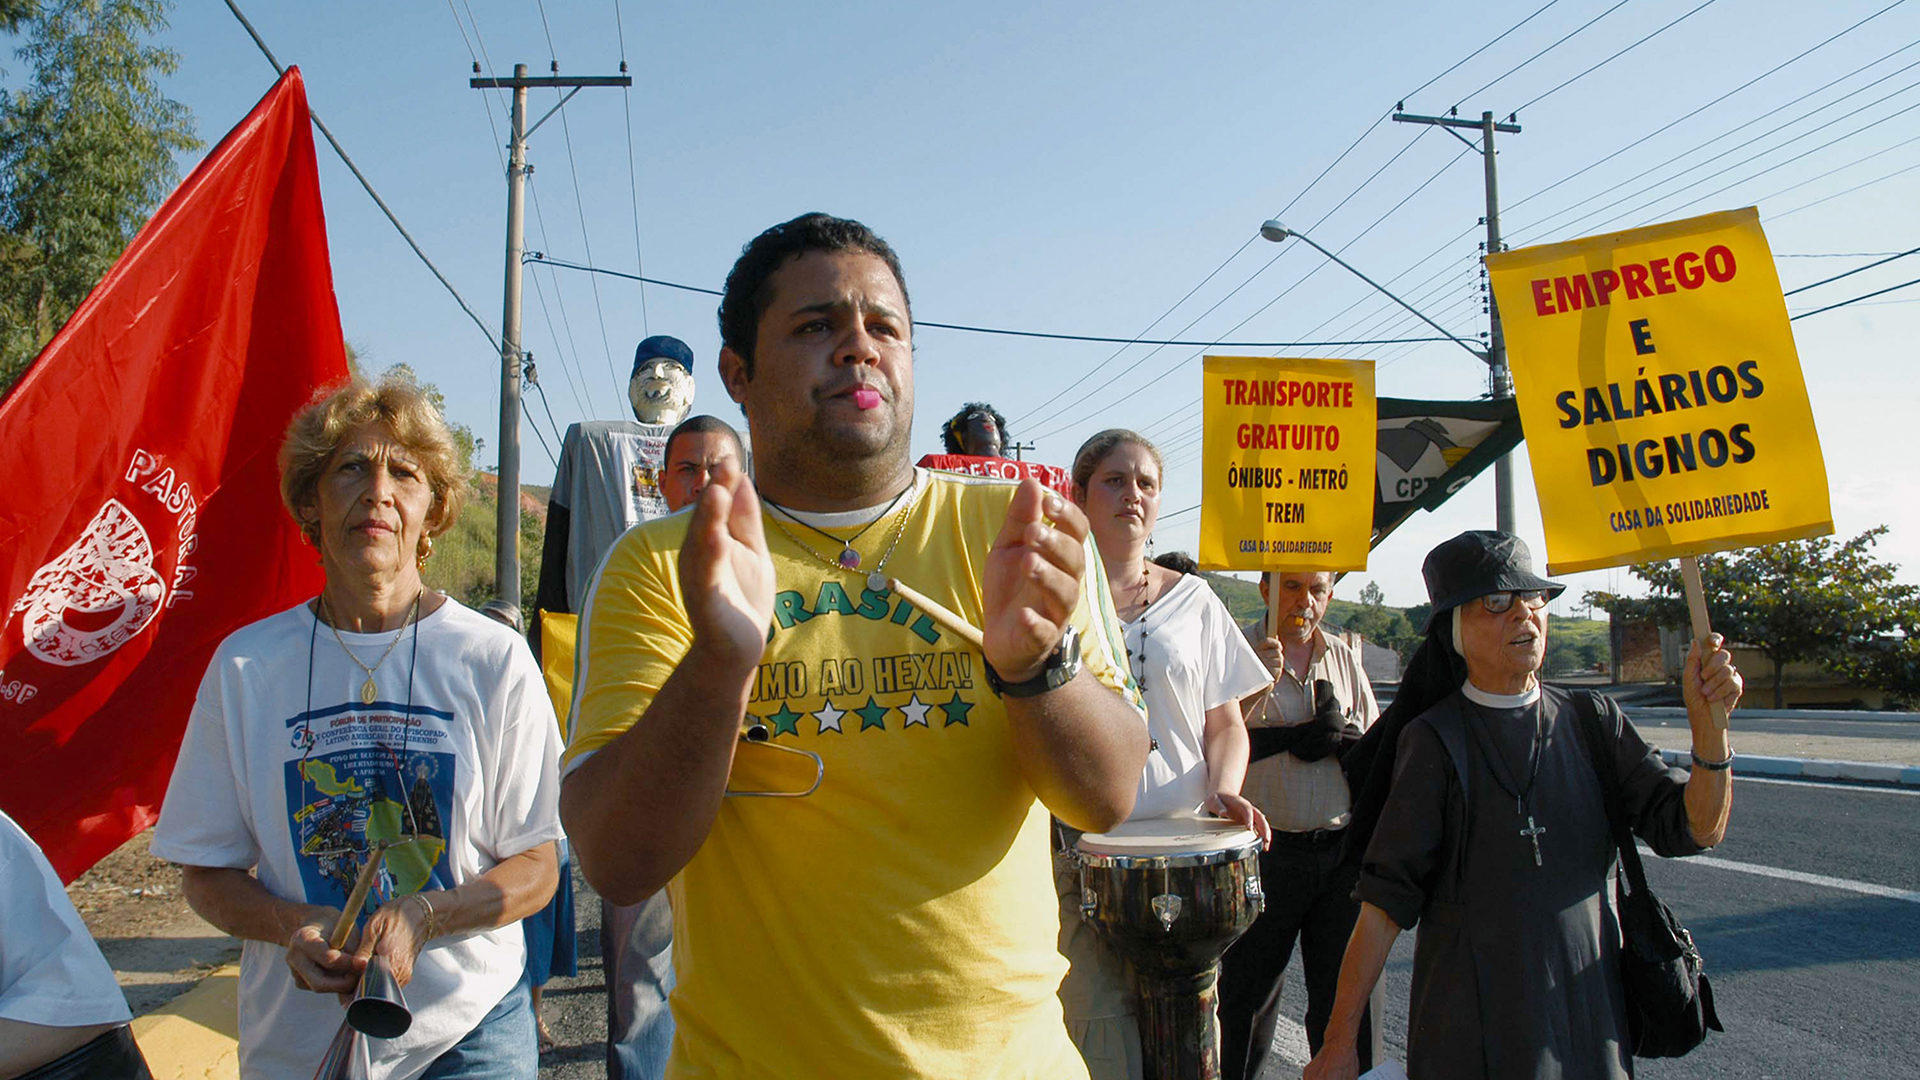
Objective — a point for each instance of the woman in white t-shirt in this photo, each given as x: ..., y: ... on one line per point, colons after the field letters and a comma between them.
x: 379, y: 711
x: 1193, y: 667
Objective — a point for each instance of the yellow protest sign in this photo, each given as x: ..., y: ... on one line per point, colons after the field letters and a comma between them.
x: 1661, y: 394
x: 1287, y: 463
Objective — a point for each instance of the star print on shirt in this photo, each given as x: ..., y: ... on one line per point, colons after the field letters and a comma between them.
x: 829, y: 718
x: 786, y: 721
x: 956, y: 711
x: 872, y: 715
x: 916, y: 712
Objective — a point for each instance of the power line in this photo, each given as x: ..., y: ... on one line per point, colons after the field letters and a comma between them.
x: 1855, y: 270
x: 565, y: 265
x: 1840, y: 168
x: 1569, y: 36
x: 1643, y: 140
x: 1539, y: 226
x: 1616, y: 56
x: 560, y: 300
x: 1457, y: 64
x: 633, y: 168
x: 492, y: 341
x: 1176, y: 304
x: 1857, y: 299
x: 1257, y: 311
x: 1780, y: 165
x: 1848, y: 191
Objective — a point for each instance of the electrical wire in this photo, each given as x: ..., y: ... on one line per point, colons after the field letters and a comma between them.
x: 1568, y: 37
x: 497, y: 344
x: 565, y: 265
x: 1781, y: 165
x: 1847, y: 191
x: 1855, y: 270
x: 1458, y: 63
x: 567, y: 372
x: 560, y: 301
x: 1643, y: 140
x: 1170, y: 369
x: 1539, y: 226
x: 1704, y: 4
x: 1857, y: 299
x: 1837, y: 169
x: 633, y: 168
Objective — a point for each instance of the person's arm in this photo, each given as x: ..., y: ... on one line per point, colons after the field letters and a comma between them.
x: 1081, y: 747
x: 669, y: 770
x: 1710, y: 679
x: 514, y: 888
x: 235, y: 902
x: 1373, y: 936
x: 1224, y: 745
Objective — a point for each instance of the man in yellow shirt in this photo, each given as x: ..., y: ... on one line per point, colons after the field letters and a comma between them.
x: 899, y: 919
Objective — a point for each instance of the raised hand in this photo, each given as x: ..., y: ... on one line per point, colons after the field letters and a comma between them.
x: 1032, y: 581
x: 726, y: 575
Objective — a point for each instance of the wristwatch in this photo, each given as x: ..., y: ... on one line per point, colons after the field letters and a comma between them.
x: 1059, y: 669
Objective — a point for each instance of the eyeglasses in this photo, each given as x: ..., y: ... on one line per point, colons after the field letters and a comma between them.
x: 1499, y: 602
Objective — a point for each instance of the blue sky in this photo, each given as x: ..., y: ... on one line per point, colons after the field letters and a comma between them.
x: 1079, y: 168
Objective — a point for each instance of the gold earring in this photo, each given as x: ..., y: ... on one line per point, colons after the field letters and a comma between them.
x: 426, y: 551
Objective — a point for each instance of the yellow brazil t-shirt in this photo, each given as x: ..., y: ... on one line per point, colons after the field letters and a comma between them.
x: 901, y: 920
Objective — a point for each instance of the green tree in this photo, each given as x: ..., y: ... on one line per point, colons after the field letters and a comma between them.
x: 86, y: 153
x: 1811, y: 601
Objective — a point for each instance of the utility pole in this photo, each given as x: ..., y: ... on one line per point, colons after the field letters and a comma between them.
x: 506, y: 553
x: 1500, y: 381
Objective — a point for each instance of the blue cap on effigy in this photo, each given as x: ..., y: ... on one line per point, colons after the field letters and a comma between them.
x: 662, y: 346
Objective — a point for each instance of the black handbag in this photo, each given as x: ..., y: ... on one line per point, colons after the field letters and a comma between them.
x: 1669, y: 1000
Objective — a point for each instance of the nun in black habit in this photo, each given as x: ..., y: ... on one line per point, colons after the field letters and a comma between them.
x: 1489, y: 832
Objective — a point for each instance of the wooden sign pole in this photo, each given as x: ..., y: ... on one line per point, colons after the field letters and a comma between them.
x: 1702, y: 625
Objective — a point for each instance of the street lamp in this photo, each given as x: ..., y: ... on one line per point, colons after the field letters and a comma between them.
x: 1273, y: 230
x: 1494, y: 358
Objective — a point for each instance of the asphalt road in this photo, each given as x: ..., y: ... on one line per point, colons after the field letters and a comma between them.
x: 1816, y: 975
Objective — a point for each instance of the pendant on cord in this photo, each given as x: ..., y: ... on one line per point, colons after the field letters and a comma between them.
x: 849, y: 558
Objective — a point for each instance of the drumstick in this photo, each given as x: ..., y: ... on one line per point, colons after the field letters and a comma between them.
x: 357, y: 898
x: 939, y: 613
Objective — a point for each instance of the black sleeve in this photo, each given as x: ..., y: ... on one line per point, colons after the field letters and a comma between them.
x: 551, y: 594
x: 1408, y: 842
x: 1652, y: 793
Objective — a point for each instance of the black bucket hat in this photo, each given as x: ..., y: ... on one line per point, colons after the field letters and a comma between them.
x: 1479, y: 563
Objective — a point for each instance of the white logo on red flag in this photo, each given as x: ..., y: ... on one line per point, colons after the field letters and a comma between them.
x: 96, y: 595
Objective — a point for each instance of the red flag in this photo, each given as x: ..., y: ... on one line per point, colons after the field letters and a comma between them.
x: 140, y: 521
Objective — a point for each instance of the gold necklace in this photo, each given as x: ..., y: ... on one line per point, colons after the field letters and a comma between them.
x: 367, y: 690
x: 876, y: 579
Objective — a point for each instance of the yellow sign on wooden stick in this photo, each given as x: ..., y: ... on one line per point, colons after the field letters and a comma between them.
x: 1287, y: 464
x: 1661, y: 394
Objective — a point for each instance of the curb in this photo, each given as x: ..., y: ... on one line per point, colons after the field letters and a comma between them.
x: 196, y: 1035
x: 1787, y: 768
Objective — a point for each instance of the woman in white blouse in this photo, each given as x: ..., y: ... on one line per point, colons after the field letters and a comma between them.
x: 1193, y: 668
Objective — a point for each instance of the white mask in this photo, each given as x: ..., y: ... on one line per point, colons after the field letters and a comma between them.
x: 661, y: 392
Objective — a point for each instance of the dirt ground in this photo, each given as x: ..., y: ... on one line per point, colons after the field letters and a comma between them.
x: 158, y: 947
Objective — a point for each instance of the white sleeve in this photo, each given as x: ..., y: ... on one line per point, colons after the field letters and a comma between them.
x: 204, y: 820
x: 1234, y: 670
x: 51, y: 972
x: 524, y: 811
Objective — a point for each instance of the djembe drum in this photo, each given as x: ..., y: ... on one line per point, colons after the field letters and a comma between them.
x: 1169, y: 895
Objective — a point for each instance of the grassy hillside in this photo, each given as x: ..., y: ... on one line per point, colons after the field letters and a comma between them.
x: 462, y: 563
